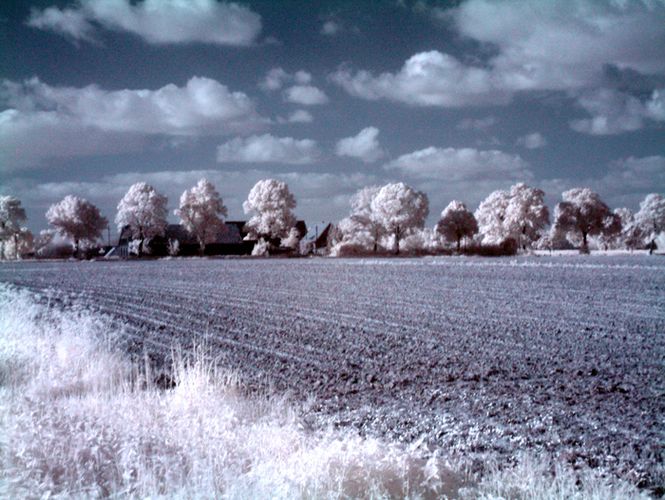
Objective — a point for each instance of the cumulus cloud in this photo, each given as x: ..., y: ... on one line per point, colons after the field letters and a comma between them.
x: 427, y: 79
x: 301, y: 92
x: 532, y: 141
x: 614, y: 112
x: 276, y: 78
x: 307, y: 95
x: 364, y: 146
x: 330, y: 28
x: 538, y: 45
x: 300, y: 116
x: 42, y: 121
x: 476, y: 123
x: 156, y: 21
x: 624, y: 184
x: 268, y: 148
x: 464, y: 164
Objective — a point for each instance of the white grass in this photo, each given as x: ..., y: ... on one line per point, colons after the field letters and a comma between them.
x: 78, y: 421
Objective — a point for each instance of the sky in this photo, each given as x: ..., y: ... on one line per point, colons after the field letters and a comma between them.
x: 456, y: 99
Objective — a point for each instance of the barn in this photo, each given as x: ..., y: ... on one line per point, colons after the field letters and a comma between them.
x: 231, y: 241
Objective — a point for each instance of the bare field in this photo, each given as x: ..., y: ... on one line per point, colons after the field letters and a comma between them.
x: 481, y: 359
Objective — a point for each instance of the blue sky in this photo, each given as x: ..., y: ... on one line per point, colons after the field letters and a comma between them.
x: 454, y: 98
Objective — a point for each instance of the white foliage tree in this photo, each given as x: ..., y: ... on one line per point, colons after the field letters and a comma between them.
x: 583, y: 213
x: 20, y: 245
x: 12, y: 214
x: 361, y: 230
x: 400, y: 210
x: 422, y: 240
x: 271, y: 204
x: 77, y: 219
x: 651, y: 217
x: 520, y: 214
x: 526, y: 215
x: 456, y: 223
x: 490, y: 216
x: 202, y: 213
x: 143, y: 210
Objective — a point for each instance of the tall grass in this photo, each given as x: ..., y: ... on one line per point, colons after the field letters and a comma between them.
x: 80, y: 420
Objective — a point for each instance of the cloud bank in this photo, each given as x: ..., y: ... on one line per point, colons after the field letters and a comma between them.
x: 42, y: 121
x: 268, y: 148
x: 156, y: 21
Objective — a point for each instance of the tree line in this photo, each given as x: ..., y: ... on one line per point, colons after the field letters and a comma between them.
x: 383, y: 219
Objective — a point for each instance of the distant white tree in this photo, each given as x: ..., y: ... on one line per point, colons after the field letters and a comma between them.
x: 456, y: 222
x: 582, y: 212
x: 361, y: 230
x: 490, y: 216
x: 526, y: 215
x: 400, y: 210
x: 202, y: 213
x: 20, y: 245
x: 12, y: 214
x: 651, y: 218
x: 272, y: 204
x: 77, y: 219
x: 143, y: 210
x: 630, y: 237
x: 426, y: 240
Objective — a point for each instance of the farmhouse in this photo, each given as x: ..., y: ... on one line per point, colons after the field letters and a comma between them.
x: 231, y: 241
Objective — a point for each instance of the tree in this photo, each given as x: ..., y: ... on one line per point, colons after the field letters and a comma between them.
x: 361, y: 228
x: 651, y: 218
x: 526, y: 214
x: 584, y: 213
x: 21, y: 244
x: 202, y: 213
x: 400, y: 210
x: 520, y: 214
x: 272, y: 203
x: 78, y: 219
x: 11, y: 216
x: 490, y: 216
x: 456, y: 223
x: 143, y: 211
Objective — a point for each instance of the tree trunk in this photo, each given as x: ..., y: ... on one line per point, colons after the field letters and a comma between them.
x: 76, y: 248
x: 396, y: 241
x: 15, y: 246
x: 585, y: 245
x: 202, y: 247
x: 459, y: 241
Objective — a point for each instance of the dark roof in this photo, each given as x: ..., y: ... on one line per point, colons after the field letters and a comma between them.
x: 235, y: 233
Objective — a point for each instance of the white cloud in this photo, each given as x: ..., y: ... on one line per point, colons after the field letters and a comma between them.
x: 532, y: 141
x: 625, y: 183
x: 330, y: 28
x: 300, y: 116
x: 539, y: 46
x: 427, y: 79
x: 274, y: 79
x: 307, y: 95
x: 564, y: 45
x: 71, y: 23
x: 476, y: 123
x: 614, y: 112
x: 465, y: 164
x: 277, y: 77
x: 364, y: 146
x: 268, y: 148
x: 156, y: 21
x: 44, y: 121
